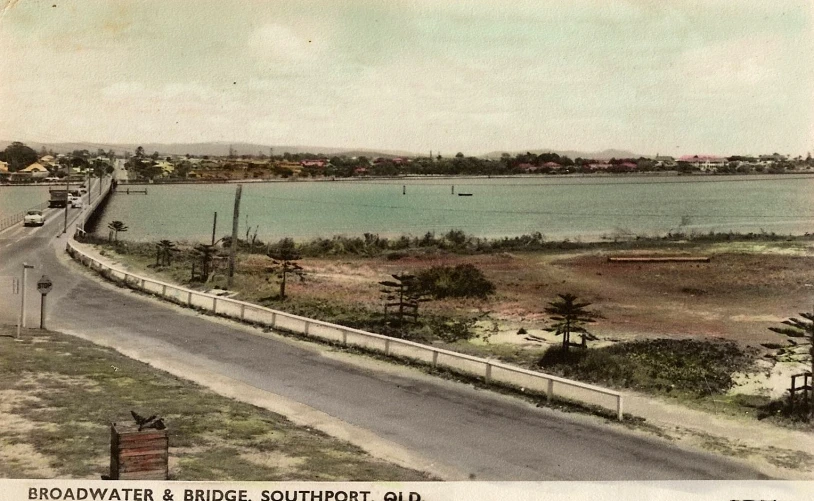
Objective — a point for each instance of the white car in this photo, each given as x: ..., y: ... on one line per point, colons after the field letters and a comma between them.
x: 76, y: 202
x: 34, y: 218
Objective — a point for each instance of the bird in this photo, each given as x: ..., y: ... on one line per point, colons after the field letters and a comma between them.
x: 158, y: 424
x: 149, y: 422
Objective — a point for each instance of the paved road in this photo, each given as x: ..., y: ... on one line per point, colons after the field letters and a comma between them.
x: 472, y: 432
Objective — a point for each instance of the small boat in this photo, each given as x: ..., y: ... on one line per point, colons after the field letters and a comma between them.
x: 464, y: 194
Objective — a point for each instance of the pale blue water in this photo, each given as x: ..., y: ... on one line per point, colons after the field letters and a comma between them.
x: 587, y: 208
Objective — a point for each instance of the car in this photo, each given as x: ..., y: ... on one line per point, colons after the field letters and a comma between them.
x: 33, y: 218
x: 76, y: 202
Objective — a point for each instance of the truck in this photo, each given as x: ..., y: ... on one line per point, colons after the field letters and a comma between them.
x: 59, y: 198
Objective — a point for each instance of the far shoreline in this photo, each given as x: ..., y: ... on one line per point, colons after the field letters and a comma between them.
x: 409, y: 177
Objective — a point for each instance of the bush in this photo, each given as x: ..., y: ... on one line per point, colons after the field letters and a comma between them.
x: 781, y: 409
x: 451, y: 330
x: 464, y: 280
x: 660, y: 365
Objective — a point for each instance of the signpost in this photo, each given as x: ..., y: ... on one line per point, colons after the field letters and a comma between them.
x: 44, y: 285
x: 21, y: 322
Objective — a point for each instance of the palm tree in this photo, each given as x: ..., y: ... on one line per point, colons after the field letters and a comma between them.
x: 570, y: 316
x: 116, y: 227
x: 804, y: 328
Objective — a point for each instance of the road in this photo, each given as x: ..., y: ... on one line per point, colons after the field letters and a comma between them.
x: 473, y: 433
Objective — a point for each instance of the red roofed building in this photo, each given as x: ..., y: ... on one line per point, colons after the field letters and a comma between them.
x: 704, y: 162
x: 313, y: 163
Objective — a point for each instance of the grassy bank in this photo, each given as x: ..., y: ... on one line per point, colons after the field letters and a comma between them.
x: 59, y: 394
x: 459, y: 242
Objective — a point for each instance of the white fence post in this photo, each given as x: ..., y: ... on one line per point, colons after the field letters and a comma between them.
x: 434, y: 358
x: 214, y: 305
x: 488, y: 376
x: 549, y: 393
x: 619, y: 414
x: 242, y: 311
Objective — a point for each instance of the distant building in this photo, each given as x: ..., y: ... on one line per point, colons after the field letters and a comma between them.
x: 771, y: 159
x: 665, y: 161
x: 36, y: 170
x: 704, y: 162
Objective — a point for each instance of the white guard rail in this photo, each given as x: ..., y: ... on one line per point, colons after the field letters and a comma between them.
x: 96, y: 198
x: 490, y: 370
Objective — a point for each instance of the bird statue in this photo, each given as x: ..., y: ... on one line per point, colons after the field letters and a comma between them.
x: 149, y: 422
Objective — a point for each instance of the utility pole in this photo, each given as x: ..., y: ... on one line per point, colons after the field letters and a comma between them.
x: 214, y: 228
x: 21, y: 323
x: 67, y: 199
x: 233, y: 246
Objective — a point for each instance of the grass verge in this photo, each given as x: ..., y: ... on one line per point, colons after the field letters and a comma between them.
x: 59, y: 395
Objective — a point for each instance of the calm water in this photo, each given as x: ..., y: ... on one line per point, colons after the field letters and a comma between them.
x: 14, y: 199
x: 587, y: 208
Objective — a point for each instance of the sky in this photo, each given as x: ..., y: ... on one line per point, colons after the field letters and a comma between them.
x: 671, y: 77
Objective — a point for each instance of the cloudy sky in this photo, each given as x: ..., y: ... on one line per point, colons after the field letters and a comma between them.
x: 652, y: 76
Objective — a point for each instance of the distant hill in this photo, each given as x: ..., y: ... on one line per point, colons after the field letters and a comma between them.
x: 211, y: 149
x: 222, y: 149
x: 598, y: 155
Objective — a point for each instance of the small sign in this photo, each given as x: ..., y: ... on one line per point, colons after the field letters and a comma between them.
x: 44, y: 285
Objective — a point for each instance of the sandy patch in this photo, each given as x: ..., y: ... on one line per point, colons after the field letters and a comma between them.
x: 756, y: 318
x: 274, y: 460
x: 20, y: 455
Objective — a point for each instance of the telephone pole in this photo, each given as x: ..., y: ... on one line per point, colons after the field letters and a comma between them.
x: 67, y: 199
x: 233, y: 246
x: 214, y: 228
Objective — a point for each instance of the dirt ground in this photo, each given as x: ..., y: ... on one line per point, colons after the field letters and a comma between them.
x: 737, y: 295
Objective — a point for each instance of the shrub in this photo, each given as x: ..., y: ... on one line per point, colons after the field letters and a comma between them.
x: 451, y: 330
x: 464, y: 280
x: 660, y: 365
